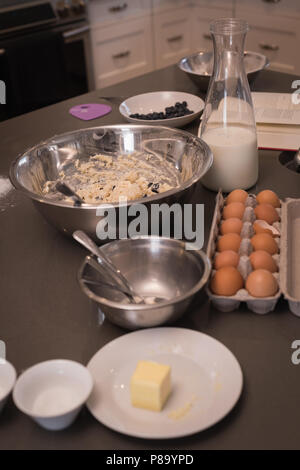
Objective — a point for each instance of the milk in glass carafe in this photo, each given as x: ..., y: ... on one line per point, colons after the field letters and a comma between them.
x: 228, y: 123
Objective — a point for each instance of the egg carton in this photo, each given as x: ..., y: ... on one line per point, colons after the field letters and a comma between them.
x: 290, y: 254
x: 229, y: 303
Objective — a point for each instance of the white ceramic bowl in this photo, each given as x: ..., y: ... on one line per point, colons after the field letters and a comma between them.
x: 53, y: 392
x: 157, y: 102
x: 7, y: 381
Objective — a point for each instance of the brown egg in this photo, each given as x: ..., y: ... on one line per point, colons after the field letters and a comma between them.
x: 261, y: 283
x: 226, y: 281
x: 259, y: 229
x: 263, y: 260
x: 226, y: 258
x: 238, y: 195
x: 266, y: 212
x: 232, y: 225
x: 268, y: 197
x: 265, y: 242
x: 230, y: 241
x: 234, y: 209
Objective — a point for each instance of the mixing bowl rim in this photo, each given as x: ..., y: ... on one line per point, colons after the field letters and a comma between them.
x: 187, y: 184
x: 265, y: 63
x: 199, y: 254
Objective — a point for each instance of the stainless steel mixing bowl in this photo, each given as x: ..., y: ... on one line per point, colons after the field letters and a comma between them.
x: 28, y: 173
x: 199, y: 66
x: 155, y: 266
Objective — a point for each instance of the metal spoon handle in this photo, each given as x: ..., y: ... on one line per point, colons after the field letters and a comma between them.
x: 93, y: 263
x: 90, y: 245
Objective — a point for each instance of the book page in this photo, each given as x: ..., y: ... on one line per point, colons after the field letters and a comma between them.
x: 275, y: 108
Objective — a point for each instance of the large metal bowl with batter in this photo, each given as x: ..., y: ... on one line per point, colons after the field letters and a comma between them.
x: 30, y: 171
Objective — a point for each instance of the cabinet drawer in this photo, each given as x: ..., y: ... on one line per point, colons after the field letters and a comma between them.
x: 277, y: 42
x: 122, y: 53
x: 110, y: 11
x: 160, y: 5
x: 269, y: 7
x: 218, y: 4
x: 172, y: 34
x: 200, y: 22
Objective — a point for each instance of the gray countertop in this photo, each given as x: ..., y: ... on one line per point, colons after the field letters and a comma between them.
x: 44, y: 315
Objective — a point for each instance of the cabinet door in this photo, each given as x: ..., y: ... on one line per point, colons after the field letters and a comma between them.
x: 122, y: 51
x: 277, y: 39
x: 200, y: 22
x: 172, y: 36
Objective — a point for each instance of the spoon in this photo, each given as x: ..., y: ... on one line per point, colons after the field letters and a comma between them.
x: 108, y: 266
x: 122, y: 283
x: 64, y: 189
x: 94, y: 264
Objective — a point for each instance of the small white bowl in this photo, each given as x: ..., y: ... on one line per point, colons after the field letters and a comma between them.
x: 53, y: 392
x: 157, y: 101
x: 7, y: 380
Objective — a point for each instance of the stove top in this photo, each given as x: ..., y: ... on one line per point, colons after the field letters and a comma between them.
x: 24, y: 14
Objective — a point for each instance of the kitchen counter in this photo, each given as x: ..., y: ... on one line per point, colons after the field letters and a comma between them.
x: 44, y: 315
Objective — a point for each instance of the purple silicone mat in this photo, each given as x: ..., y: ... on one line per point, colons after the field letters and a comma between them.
x: 89, y: 111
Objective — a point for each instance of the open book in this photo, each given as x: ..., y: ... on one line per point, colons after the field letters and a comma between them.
x: 277, y: 120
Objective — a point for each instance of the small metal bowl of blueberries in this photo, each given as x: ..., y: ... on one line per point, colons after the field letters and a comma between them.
x: 170, y: 108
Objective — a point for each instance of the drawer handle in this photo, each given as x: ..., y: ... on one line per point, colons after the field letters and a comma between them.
x: 175, y: 38
x: 269, y: 47
x: 121, y: 55
x: 207, y: 36
x: 271, y: 1
x: 118, y: 8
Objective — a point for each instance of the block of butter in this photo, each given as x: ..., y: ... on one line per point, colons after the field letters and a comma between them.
x: 150, y: 385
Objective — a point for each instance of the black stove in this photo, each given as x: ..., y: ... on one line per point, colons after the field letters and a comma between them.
x: 25, y: 15
x: 45, y: 53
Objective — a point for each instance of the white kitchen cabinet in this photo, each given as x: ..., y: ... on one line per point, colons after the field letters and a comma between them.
x: 132, y: 37
x: 112, y: 11
x: 172, y: 36
x: 200, y: 22
x: 275, y: 36
x: 267, y: 8
x: 122, y: 51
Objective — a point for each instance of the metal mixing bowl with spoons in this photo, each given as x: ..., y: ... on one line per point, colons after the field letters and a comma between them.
x: 154, y: 266
x: 189, y: 155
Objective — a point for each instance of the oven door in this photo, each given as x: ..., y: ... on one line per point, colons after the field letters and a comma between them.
x: 78, y: 60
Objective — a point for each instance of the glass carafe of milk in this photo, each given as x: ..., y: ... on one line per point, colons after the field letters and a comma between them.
x: 228, y: 123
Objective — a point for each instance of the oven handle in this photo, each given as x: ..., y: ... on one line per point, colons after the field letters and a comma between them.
x: 76, y: 32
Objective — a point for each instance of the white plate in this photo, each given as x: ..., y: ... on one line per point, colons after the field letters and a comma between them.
x: 157, y: 102
x: 205, y: 377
